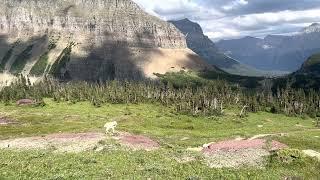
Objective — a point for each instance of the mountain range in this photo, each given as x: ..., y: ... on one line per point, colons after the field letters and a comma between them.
x: 97, y: 40
x: 206, y: 49
x: 90, y: 40
x: 274, y: 52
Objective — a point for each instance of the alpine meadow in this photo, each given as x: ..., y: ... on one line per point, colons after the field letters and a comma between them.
x: 172, y: 89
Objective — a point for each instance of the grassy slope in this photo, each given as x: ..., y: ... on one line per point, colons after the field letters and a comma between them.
x: 313, y: 60
x: 155, y: 121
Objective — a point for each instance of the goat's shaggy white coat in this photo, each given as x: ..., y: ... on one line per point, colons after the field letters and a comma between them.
x: 110, y: 126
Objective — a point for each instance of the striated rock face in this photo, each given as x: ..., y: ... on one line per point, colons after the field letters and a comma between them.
x: 89, y: 40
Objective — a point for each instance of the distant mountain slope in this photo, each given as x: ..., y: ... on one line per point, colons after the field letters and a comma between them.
x: 275, y: 52
x: 307, y: 77
x: 89, y: 40
x: 311, y: 67
x: 203, y: 46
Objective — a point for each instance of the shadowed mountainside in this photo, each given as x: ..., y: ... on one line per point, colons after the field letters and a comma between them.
x: 307, y: 77
x: 90, y: 40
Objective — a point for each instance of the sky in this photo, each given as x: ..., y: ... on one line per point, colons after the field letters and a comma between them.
x: 231, y: 19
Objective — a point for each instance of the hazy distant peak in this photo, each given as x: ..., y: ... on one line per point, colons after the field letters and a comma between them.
x: 313, y: 28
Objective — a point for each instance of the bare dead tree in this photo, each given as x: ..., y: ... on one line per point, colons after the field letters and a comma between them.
x: 243, y: 110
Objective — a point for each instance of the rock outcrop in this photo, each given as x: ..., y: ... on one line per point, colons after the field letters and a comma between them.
x: 89, y: 40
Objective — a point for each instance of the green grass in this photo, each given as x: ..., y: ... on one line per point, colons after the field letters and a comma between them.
x: 40, y: 66
x: 313, y: 60
x: 135, y: 165
x: 158, y: 122
x: 151, y: 119
x: 61, y: 61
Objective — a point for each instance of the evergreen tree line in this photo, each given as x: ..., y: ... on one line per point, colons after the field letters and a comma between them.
x: 210, y: 99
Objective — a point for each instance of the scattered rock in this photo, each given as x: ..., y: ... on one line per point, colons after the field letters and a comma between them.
x: 312, y: 153
x: 268, y: 120
x: 207, y: 145
x: 260, y: 126
x: 196, y: 149
x: 25, y: 102
x: 184, y: 139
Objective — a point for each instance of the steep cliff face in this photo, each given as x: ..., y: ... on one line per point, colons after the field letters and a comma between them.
x: 89, y: 40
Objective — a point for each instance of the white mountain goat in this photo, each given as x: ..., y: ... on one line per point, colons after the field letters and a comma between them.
x: 110, y: 126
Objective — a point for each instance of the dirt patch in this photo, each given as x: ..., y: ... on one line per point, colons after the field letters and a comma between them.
x: 25, y: 102
x: 234, y: 145
x: 236, y: 159
x: 6, y: 121
x: 138, y: 142
x: 65, y: 142
x: 237, y: 153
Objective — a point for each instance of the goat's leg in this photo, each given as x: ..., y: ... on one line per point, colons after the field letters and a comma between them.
x: 113, y: 130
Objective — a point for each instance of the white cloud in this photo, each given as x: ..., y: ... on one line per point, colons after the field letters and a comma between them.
x: 278, y: 17
x: 218, y: 23
x: 234, y: 4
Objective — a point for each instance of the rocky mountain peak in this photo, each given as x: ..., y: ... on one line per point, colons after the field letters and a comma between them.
x: 313, y: 28
x: 187, y: 26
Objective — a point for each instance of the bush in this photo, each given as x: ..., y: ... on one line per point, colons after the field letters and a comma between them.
x: 288, y: 156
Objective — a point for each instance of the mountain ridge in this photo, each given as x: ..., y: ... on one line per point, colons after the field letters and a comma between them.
x: 90, y: 40
x: 274, y: 52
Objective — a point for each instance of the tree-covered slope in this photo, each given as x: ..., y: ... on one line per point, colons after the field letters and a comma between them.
x: 307, y: 77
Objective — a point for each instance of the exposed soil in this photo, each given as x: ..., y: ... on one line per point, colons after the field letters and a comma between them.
x: 236, y: 159
x: 78, y: 142
x: 65, y: 142
x: 138, y: 142
x: 234, y: 145
x: 237, y: 153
